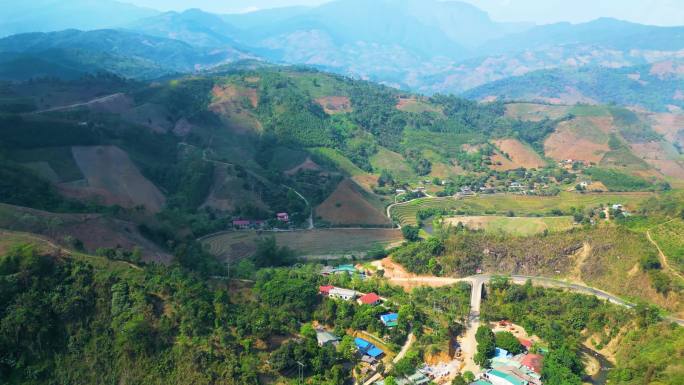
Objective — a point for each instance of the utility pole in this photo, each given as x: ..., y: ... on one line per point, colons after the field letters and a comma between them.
x: 301, y: 372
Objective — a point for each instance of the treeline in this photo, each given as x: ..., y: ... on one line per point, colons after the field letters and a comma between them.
x: 63, y: 321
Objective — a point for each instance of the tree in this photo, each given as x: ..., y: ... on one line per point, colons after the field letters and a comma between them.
x: 411, y: 233
x: 486, y: 345
x: 347, y: 348
x: 468, y: 376
x: 509, y: 342
x: 459, y: 380
x: 390, y: 380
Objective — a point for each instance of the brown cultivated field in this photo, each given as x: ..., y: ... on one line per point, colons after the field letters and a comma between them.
x: 347, y: 205
x: 671, y: 126
x: 111, y: 177
x: 583, y: 138
x: 234, y: 245
x: 233, y: 105
x: 415, y: 105
x: 662, y: 156
x: 520, y: 154
x: 94, y: 230
x: 308, y: 164
x: 535, y: 112
x: 335, y: 104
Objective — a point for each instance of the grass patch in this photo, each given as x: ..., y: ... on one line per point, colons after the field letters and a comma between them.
x: 519, y: 226
x: 618, y: 181
x: 393, y: 162
x: 670, y: 238
x: 501, y: 204
x: 320, y: 242
x: 341, y: 162
x: 60, y: 160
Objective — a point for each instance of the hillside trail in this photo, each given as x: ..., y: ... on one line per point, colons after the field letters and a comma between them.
x: 663, y: 258
x: 582, y: 255
x: 81, y: 104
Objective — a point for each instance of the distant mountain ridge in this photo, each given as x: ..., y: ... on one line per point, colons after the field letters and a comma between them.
x: 427, y: 46
x: 656, y: 87
x: 124, y: 53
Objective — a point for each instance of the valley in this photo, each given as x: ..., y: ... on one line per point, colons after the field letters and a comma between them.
x: 386, y: 192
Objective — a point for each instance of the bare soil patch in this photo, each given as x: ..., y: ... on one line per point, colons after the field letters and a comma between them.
x: 308, y: 164
x: 671, y: 126
x: 335, y: 104
x: 535, y: 112
x: 347, y: 206
x: 662, y: 158
x: 94, y: 230
x: 111, y: 177
x: 233, y: 105
x: 520, y: 154
x: 570, y: 142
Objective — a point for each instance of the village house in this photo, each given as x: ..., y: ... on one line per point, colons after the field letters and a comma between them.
x: 368, y: 349
x: 371, y: 299
x: 328, y: 270
x: 343, y: 294
x: 283, y: 217
x: 390, y: 320
x: 326, y: 338
x: 498, y: 377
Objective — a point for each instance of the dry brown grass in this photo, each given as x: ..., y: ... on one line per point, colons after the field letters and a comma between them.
x: 112, y: 178
x: 520, y: 154
x: 335, y: 104
x: 572, y: 140
x: 347, y: 206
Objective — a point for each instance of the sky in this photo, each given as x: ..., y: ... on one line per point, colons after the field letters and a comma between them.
x: 654, y: 12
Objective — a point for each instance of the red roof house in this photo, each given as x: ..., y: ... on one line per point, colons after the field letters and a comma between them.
x: 241, y: 223
x: 369, y: 299
x: 283, y: 217
x: 533, y: 362
x: 525, y: 342
x: 325, y: 290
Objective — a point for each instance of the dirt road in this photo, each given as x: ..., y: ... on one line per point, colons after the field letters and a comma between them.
x: 663, y: 258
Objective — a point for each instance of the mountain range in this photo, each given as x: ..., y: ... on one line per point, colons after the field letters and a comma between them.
x: 425, y: 46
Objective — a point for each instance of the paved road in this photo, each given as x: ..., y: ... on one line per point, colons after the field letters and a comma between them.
x: 477, y: 280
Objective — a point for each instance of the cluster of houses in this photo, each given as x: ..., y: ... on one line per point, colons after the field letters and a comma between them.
x: 333, y: 292
x: 256, y: 224
x: 507, y: 369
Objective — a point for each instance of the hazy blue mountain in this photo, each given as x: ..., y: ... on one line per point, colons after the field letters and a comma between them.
x: 124, y: 53
x: 607, y: 32
x: 193, y: 26
x: 54, y: 15
x: 651, y: 86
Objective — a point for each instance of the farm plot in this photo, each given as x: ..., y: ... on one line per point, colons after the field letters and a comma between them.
x: 350, y: 205
x: 670, y: 237
x: 503, y: 204
x: 521, y: 226
x: 231, y: 246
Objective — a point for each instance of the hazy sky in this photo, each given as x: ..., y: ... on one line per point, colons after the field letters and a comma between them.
x: 657, y: 12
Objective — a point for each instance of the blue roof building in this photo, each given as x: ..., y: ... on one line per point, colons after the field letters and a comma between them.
x: 374, y: 352
x: 368, y: 348
x: 502, y: 353
x: 362, y: 344
x: 390, y: 320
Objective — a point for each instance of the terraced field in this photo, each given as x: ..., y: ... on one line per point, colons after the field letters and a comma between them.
x: 501, y: 204
x: 314, y: 243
